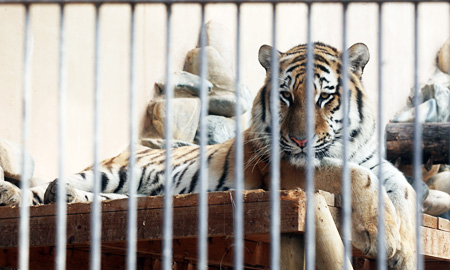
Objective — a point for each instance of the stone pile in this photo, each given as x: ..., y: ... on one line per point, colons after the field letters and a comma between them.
x: 186, y: 104
x: 435, y: 95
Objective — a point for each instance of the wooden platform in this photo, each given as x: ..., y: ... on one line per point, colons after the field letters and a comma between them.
x: 436, y: 232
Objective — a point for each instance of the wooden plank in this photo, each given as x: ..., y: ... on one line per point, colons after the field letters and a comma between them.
x: 114, y: 220
x: 435, y: 143
x: 43, y: 258
x: 153, y: 202
x: 430, y: 221
x: 433, y: 265
x: 292, y: 251
x: 220, y: 251
x: 436, y: 244
x: 330, y: 198
x: 443, y: 224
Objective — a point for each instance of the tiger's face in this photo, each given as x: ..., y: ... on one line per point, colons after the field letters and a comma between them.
x: 327, y: 96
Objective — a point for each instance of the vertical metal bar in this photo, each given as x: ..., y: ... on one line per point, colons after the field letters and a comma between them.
x: 346, y: 182
x: 310, y: 123
x: 239, y: 157
x: 381, y: 263
x: 417, y: 145
x: 275, y: 153
x: 168, y: 192
x: 203, y: 200
x: 61, y: 198
x: 24, y: 232
x: 96, y: 207
x: 132, y: 210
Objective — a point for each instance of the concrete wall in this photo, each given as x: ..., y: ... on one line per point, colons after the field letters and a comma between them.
x: 150, y: 31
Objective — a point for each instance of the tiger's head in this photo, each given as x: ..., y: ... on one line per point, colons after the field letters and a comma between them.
x: 328, y: 108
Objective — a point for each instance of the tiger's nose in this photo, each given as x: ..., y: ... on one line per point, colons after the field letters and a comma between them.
x: 301, y: 142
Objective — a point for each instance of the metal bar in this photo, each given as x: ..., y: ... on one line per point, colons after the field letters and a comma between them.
x: 310, y: 252
x: 239, y: 157
x: 62, y: 105
x: 24, y: 231
x: 417, y: 161
x: 275, y: 153
x: 381, y: 258
x: 168, y: 191
x: 346, y: 182
x: 203, y: 200
x: 132, y: 206
x: 96, y: 207
x: 211, y: 1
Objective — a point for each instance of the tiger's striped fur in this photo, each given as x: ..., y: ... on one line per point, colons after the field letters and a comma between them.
x: 327, y: 144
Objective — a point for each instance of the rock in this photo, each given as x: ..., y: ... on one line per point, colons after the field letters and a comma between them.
x: 159, y: 143
x: 437, y: 203
x: 219, y: 73
x: 11, y: 160
x: 441, y: 95
x: 427, y: 113
x: 444, y: 57
x: 220, y: 129
x: 185, y: 85
x: 440, y: 181
x: 224, y: 105
x: 219, y: 37
x: 186, y: 113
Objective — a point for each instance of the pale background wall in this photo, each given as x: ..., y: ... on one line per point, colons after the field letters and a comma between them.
x: 150, y: 31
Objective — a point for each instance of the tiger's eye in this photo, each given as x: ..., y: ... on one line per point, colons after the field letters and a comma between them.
x: 286, y: 94
x: 324, y: 95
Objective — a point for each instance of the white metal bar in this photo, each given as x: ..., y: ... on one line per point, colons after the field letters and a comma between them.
x: 310, y: 252
x: 346, y: 182
x: 239, y: 157
x: 168, y: 191
x: 24, y: 231
x: 203, y: 200
x: 275, y: 153
x: 132, y: 206
x: 381, y: 258
x: 62, y: 105
x: 417, y: 175
x: 96, y: 207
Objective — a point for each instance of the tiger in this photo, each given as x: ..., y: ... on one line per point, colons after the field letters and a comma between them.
x: 326, y: 142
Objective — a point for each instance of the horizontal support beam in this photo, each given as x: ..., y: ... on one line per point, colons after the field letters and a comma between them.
x: 435, y: 142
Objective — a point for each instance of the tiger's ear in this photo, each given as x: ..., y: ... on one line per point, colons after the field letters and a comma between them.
x: 359, y: 56
x: 265, y: 56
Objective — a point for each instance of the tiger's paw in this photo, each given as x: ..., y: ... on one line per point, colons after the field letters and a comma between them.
x: 50, y: 195
x: 405, y: 257
x: 9, y: 194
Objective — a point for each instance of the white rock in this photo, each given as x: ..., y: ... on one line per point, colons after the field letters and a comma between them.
x: 444, y: 57
x: 427, y: 113
x: 185, y: 84
x: 185, y: 117
x: 437, y: 203
x: 11, y: 160
x: 219, y: 73
x: 220, y: 129
x: 224, y: 105
x: 220, y: 38
x: 440, y: 181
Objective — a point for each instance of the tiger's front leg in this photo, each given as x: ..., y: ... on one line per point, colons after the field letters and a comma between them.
x: 328, y: 177
x: 403, y: 197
